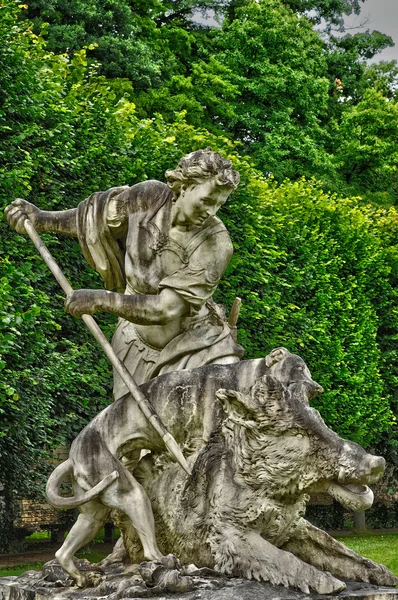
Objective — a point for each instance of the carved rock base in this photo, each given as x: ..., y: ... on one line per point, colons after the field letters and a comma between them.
x: 152, y: 580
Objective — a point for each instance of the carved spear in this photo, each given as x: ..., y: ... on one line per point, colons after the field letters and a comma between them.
x: 91, y: 324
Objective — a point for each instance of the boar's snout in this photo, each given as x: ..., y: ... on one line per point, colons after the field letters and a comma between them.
x: 369, y: 471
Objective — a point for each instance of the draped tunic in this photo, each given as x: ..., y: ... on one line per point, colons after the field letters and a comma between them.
x: 124, y: 235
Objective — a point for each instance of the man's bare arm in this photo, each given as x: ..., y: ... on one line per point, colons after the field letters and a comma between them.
x: 63, y: 221
x: 141, y: 310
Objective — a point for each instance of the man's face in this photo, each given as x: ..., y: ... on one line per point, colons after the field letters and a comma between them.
x: 198, y: 202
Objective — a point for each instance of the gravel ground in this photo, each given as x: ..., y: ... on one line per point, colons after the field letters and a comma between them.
x: 43, y: 553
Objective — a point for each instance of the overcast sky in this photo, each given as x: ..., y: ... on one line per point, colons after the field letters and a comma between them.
x: 382, y: 15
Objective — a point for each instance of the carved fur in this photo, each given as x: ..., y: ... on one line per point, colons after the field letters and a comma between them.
x: 256, y: 449
x: 242, y: 509
x: 104, y: 453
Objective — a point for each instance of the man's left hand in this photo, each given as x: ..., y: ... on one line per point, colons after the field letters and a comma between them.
x: 84, y: 302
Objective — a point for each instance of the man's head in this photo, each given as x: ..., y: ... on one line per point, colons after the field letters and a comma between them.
x: 201, y: 183
x: 200, y: 166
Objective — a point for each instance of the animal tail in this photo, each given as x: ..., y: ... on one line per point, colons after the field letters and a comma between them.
x: 54, y: 482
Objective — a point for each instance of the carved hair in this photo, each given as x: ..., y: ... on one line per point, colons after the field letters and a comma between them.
x: 200, y: 166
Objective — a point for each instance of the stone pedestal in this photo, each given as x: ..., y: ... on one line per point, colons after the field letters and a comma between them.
x: 151, y: 580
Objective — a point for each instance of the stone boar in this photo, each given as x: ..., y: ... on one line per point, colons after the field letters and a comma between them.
x: 256, y: 448
x: 241, y: 511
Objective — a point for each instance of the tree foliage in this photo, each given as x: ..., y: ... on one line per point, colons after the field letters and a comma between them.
x: 322, y: 273
x: 262, y: 79
x: 332, y: 11
x: 347, y: 58
x: 367, y: 152
x: 275, y: 60
x: 266, y: 78
x: 137, y: 39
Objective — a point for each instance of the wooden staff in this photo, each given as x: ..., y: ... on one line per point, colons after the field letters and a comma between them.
x: 233, y: 317
x: 91, y: 324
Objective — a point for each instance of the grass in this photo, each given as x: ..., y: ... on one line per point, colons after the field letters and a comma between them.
x: 18, y: 569
x: 382, y: 548
x: 92, y: 555
x: 39, y: 535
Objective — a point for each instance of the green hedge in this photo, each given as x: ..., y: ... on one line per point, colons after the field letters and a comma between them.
x: 316, y: 273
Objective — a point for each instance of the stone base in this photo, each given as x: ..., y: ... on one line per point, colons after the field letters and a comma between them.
x: 119, y: 582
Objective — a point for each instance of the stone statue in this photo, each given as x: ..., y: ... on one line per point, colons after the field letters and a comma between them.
x: 164, y: 249
x: 255, y: 447
x: 241, y: 510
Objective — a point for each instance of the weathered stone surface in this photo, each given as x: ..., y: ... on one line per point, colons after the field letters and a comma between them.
x: 257, y: 451
x: 118, y: 585
x: 256, y: 448
x: 164, y: 249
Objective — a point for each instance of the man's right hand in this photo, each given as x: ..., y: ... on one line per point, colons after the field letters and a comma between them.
x: 18, y: 211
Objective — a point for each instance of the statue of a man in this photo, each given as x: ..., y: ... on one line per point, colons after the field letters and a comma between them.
x: 163, y: 248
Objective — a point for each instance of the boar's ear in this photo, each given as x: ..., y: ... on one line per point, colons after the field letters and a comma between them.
x: 234, y: 402
x: 267, y: 390
x: 276, y: 355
